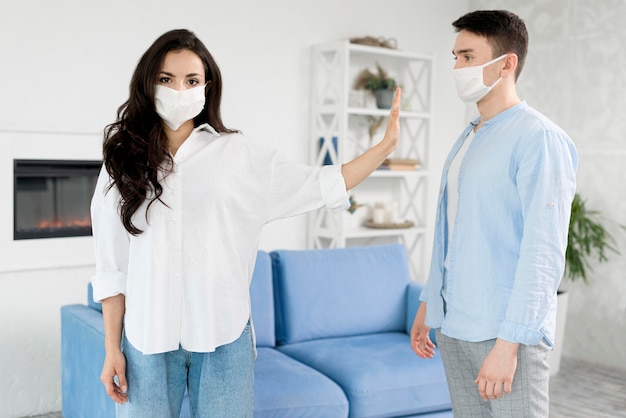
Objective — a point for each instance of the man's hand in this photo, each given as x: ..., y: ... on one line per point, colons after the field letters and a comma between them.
x: 497, y: 370
x: 115, y: 365
x: 420, y: 340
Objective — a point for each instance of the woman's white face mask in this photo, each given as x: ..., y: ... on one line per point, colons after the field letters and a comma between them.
x: 176, y: 107
x: 470, y: 84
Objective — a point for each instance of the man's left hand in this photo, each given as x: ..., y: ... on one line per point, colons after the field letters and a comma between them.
x: 497, y: 370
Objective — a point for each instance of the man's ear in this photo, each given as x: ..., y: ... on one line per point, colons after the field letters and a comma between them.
x: 510, y: 65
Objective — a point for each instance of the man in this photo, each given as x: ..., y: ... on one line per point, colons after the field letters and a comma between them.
x: 500, y: 235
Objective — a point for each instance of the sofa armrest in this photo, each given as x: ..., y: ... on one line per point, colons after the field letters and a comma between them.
x: 414, y: 289
x: 82, y: 356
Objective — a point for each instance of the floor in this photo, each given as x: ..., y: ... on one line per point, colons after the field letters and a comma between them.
x: 580, y: 390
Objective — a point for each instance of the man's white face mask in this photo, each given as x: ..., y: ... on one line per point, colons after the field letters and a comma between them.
x: 470, y: 84
x: 176, y: 107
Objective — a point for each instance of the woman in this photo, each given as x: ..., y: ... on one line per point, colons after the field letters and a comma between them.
x: 177, y: 215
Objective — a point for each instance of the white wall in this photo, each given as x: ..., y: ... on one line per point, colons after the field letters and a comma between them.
x: 575, y: 75
x: 65, y: 67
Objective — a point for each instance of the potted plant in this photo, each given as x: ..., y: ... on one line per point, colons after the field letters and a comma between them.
x: 379, y: 83
x: 587, y: 239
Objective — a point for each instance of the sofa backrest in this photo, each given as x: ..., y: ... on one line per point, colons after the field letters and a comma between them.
x: 339, y: 292
x: 262, y: 301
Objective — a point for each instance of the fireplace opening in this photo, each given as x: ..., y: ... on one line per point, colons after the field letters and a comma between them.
x: 52, y: 198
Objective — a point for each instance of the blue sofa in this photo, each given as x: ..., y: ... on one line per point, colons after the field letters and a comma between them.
x: 332, y: 340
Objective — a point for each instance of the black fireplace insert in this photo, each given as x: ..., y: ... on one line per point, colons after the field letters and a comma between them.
x: 52, y: 198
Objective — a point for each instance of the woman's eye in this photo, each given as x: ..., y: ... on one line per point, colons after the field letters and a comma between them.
x: 194, y: 82
x: 164, y: 80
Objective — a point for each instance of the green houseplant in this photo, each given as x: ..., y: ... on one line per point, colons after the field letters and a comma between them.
x: 587, y: 238
x: 379, y: 83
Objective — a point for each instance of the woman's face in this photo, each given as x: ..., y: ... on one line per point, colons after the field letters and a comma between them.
x: 181, y: 70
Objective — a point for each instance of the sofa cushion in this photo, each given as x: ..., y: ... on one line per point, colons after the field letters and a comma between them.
x: 262, y: 301
x: 379, y: 373
x: 284, y: 387
x: 339, y: 292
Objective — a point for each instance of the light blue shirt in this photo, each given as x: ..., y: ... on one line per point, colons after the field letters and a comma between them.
x: 506, y: 255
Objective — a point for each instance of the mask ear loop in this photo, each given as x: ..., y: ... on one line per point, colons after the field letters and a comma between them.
x: 494, y: 61
x: 506, y: 56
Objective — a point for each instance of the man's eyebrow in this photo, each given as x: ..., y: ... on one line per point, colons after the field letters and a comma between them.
x: 462, y: 51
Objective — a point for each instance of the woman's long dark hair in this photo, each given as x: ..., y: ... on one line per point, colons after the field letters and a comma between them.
x: 135, y: 146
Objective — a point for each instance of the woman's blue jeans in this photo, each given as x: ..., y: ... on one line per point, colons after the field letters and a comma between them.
x: 220, y: 384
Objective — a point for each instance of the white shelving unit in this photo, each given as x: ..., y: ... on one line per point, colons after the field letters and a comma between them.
x: 340, y: 132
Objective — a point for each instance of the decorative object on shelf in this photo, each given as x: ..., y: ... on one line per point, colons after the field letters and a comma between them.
x: 380, y: 41
x: 400, y: 225
x: 379, y: 83
x: 373, y: 123
x: 386, y: 214
x: 353, y: 205
x: 356, y: 98
x: 400, y: 164
x: 328, y: 160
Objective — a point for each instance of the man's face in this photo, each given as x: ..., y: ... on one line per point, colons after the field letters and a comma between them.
x: 471, y: 49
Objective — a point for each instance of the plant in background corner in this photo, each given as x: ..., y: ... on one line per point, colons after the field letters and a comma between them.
x: 587, y: 237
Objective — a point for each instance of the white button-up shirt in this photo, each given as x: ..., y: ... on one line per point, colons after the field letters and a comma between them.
x: 186, y: 277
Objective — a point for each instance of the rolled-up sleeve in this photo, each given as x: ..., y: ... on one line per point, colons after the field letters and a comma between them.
x: 297, y: 188
x: 111, y: 241
x: 333, y: 188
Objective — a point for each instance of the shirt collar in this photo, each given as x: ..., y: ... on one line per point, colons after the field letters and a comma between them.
x: 505, y: 113
x: 206, y: 127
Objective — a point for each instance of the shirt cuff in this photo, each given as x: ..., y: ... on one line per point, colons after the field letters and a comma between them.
x: 333, y: 188
x: 516, y: 333
x: 107, y: 285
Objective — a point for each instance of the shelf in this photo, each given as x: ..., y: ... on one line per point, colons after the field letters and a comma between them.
x: 396, y: 53
x: 330, y: 109
x: 385, y: 112
x: 346, y: 131
x: 399, y: 173
x: 364, y: 232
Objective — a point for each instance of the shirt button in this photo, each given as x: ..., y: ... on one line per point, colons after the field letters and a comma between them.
x: 551, y: 204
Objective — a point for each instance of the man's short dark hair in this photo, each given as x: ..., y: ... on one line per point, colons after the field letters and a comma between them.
x: 504, y: 31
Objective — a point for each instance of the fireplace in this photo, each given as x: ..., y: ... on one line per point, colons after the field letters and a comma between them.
x: 52, y: 198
